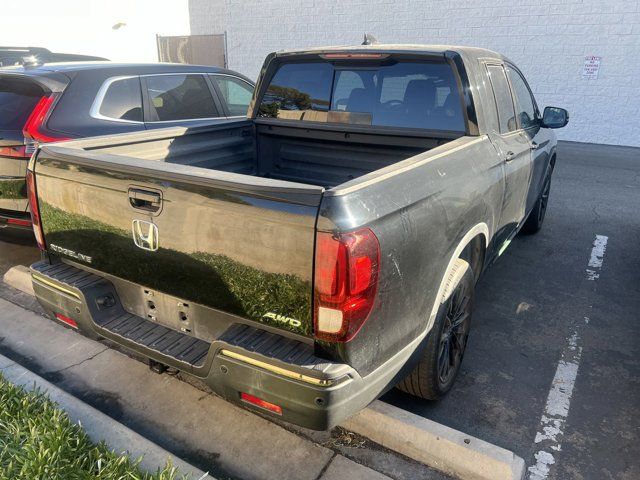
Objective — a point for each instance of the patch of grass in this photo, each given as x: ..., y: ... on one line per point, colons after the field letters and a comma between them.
x: 39, y: 441
x: 13, y: 189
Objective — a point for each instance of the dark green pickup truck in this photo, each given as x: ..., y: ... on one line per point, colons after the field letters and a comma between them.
x: 308, y: 258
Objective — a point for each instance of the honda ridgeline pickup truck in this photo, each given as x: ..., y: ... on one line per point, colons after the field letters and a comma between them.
x: 308, y: 258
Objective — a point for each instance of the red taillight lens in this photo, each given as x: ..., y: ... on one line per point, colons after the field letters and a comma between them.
x: 14, y: 152
x: 19, y: 221
x: 69, y: 321
x: 33, y: 130
x: 35, y: 212
x: 346, y: 281
x: 258, y: 402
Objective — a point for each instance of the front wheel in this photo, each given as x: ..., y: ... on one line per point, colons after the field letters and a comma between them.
x: 438, y: 368
x: 533, y: 224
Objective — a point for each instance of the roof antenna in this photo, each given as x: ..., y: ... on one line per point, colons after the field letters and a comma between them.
x: 369, y: 39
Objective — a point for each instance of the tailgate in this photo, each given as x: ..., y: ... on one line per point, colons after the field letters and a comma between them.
x: 242, y: 245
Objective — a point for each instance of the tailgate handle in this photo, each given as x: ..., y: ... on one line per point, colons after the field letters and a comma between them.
x: 146, y: 200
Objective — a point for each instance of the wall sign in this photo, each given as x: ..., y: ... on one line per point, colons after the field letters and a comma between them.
x: 591, y: 67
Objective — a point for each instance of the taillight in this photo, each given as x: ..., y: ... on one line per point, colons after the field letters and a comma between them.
x: 33, y: 131
x: 14, y: 152
x: 33, y: 206
x: 346, y: 281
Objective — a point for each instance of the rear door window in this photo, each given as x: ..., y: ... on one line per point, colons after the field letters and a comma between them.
x: 421, y: 95
x: 503, y: 99
x: 179, y: 97
x: 525, y: 104
x: 123, y: 100
x: 17, y: 101
x: 236, y: 93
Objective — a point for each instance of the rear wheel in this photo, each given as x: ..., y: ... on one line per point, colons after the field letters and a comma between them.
x: 438, y: 368
x: 534, y: 223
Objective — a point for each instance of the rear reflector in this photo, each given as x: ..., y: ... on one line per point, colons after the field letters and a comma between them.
x: 69, y: 321
x: 258, y: 402
x: 18, y: 221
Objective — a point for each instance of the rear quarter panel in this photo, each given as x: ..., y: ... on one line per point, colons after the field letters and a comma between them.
x: 420, y: 210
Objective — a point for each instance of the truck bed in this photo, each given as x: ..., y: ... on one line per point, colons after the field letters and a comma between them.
x: 313, y: 156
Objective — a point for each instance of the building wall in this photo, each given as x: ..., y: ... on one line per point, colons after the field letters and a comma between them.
x: 547, y: 39
x: 86, y: 26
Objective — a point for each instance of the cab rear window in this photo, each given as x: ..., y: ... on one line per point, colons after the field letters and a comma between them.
x: 422, y: 95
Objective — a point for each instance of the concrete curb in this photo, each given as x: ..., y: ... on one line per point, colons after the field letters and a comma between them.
x: 19, y: 278
x: 418, y: 438
x: 98, y: 425
x: 435, y: 445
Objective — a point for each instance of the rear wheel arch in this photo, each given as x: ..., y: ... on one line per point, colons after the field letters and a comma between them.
x: 475, y: 240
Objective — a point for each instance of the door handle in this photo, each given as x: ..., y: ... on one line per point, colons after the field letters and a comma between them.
x: 534, y: 146
x: 510, y: 156
x: 146, y: 200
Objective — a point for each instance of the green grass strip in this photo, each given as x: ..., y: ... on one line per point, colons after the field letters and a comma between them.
x: 39, y: 441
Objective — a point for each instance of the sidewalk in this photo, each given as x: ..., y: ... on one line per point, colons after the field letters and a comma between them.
x: 202, y: 429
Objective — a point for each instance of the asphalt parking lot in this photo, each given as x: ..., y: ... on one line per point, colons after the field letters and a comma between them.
x: 552, y: 370
x: 529, y: 306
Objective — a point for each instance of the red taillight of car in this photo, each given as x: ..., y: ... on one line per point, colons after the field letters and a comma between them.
x: 14, y: 152
x: 33, y: 131
x: 69, y: 321
x: 35, y: 212
x: 346, y: 281
x: 258, y: 402
x: 19, y: 221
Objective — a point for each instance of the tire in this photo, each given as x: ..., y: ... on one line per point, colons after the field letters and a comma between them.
x: 534, y: 222
x: 436, y: 371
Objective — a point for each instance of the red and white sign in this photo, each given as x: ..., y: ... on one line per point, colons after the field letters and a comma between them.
x: 591, y: 66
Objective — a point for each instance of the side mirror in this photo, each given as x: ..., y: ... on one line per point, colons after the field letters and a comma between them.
x: 554, y: 117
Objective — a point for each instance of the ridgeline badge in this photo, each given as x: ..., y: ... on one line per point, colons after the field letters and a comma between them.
x: 70, y: 253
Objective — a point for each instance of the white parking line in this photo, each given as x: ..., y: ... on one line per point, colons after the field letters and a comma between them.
x: 597, y: 257
x: 556, y: 410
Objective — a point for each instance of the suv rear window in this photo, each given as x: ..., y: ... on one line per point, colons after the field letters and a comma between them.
x: 179, y: 97
x: 405, y: 94
x: 123, y: 100
x: 17, y: 101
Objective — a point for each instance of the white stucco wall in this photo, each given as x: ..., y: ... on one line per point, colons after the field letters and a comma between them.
x: 85, y: 26
x: 547, y: 39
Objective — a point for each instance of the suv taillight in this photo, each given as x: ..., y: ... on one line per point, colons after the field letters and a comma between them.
x: 35, y: 212
x: 34, y: 131
x: 346, y: 281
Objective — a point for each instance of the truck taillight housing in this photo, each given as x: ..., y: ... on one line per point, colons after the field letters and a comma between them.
x: 35, y: 212
x: 34, y: 130
x: 346, y: 281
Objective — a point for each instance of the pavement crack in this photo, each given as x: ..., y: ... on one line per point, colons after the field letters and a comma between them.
x: 78, y: 363
x: 326, y: 467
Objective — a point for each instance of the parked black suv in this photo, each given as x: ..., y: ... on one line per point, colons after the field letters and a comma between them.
x: 55, y: 102
x: 14, y: 56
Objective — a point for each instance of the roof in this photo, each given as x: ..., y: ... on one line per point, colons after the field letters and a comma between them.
x: 106, y: 65
x: 397, y: 48
x: 113, y: 68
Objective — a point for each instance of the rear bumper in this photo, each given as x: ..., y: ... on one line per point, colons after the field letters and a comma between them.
x: 312, y: 392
